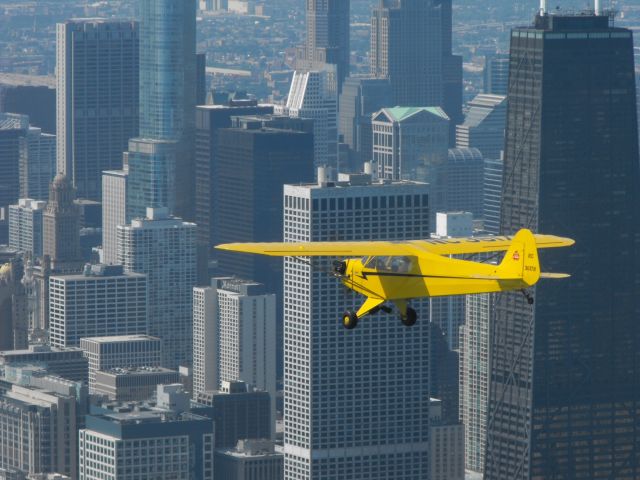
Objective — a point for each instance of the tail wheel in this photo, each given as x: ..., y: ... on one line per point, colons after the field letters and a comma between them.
x: 410, y: 319
x: 349, y: 320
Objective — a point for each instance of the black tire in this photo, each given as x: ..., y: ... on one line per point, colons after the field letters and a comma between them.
x: 349, y: 320
x: 410, y: 319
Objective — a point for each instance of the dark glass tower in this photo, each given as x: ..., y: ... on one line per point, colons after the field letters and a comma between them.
x: 327, y: 36
x: 411, y: 46
x: 565, y: 372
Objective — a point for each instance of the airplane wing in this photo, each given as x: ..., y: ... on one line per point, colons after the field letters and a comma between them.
x: 448, y: 246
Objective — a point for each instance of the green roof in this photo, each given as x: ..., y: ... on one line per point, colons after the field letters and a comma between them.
x: 402, y: 113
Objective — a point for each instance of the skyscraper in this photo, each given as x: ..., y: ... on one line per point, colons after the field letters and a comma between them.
x: 328, y: 37
x: 114, y: 211
x: 25, y: 226
x: 406, y: 48
x: 210, y: 119
x: 37, y: 166
x: 360, y: 98
x: 314, y: 95
x: 234, y: 336
x: 164, y: 248
x: 97, y: 98
x: 167, y: 105
x: 61, y: 227
x: 496, y: 74
x: 474, y: 377
x: 102, y: 301
x: 562, y: 400
x: 13, y: 128
x: 483, y: 126
x: 253, y: 161
x: 343, y: 388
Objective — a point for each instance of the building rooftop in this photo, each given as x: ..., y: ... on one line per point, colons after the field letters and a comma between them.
x: 138, y: 371
x: 99, y: 272
x: 402, y: 113
x: 121, y: 338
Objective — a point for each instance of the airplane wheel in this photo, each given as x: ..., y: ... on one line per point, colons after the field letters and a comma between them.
x: 349, y: 320
x: 410, y: 319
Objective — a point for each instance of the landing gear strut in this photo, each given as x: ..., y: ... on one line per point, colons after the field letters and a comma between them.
x: 528, y: 296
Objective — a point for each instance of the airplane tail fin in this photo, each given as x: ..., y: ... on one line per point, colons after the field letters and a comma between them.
x: 521, y: 259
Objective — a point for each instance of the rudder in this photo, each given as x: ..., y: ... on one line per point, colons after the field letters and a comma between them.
x: 521, y: 259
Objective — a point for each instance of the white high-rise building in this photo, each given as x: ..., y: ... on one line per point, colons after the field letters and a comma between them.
x: 234, y: 336
x: 356, y: 401
x: 164, y: 248
x: 474, y: 378
x: 106, y: 353
x: 314, y: 95
x: 25, y: 226
x: 101, y: 301
x: 96, y: 98
x: 114, y: 211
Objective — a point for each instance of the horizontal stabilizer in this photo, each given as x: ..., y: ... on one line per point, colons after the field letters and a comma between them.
x: 554, y: 275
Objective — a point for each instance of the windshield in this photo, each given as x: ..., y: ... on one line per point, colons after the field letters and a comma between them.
x: 390, y: 264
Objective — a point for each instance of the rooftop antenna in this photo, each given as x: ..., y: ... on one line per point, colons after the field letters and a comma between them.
x: 598, y: 8
x: 543, y: 7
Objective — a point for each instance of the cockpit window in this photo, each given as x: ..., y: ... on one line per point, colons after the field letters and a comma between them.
x: 390, y: 264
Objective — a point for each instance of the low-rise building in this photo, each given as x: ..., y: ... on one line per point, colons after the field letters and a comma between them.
x: 249, y: 460
x: 132, y: 384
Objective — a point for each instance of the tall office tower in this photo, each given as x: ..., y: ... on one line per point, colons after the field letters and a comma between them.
x: 250, y: 459
x: 37, y: 167
x: 446, y: 445
x: 234, y: 336
x: 38, y: 431
x: 164, y: 248
x: 61, y: 227
x: 96, y: 98
x: 452, y: 98
x: 443, y: 375
x: 314, y: 95
x: 474, y: 378
x: 167, y: 100
x: 253, y: 162
x: 33, y: 96
x: 12, y: 128
x: 483, y: 127
x: 151, y: 182
x: 389, y: 363
x: 25, y: 226
x: 496, y: 74
x: 561, y: 404
x: 406, y: 48
x: 106, y: 353
x: 327, y: 37
x: 114, y: 211
x: 209, y: 119
x: 360, y: 98
x: 101, y: 301
x: 492, y: 194
x: 461, y: 182
x: 238, y: 412
x: 144, y: 443
x: 409, y: 142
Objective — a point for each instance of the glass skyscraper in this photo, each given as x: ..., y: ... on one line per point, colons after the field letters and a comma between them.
x: 564, y: 400
x: 167, y: 108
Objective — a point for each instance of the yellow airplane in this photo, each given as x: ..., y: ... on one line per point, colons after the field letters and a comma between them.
x: 398, y: 271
